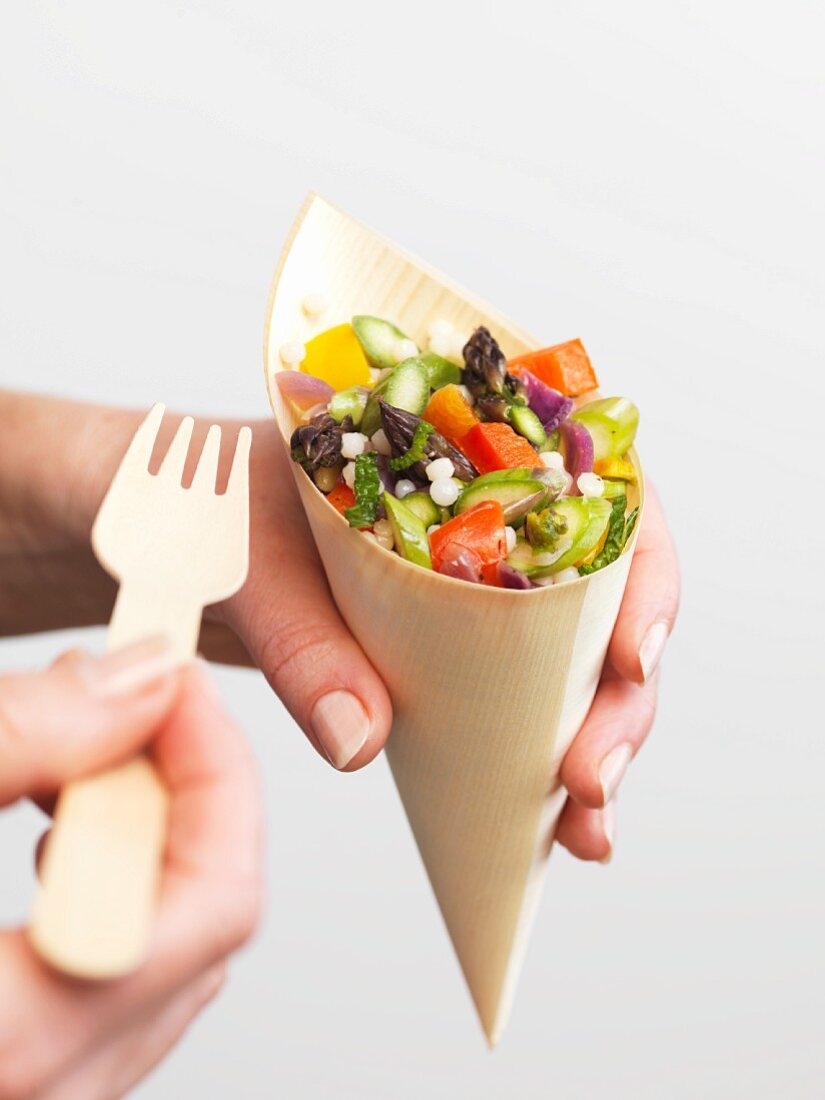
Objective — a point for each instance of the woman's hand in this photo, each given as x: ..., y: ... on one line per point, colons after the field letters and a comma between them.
x: 62, y: 1039
x: 625, y: 704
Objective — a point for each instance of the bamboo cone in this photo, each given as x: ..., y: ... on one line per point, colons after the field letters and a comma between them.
x: 488, y: 685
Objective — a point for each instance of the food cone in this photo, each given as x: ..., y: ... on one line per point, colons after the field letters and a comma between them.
x: 488, y: 685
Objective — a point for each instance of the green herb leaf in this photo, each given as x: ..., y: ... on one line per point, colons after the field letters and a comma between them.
x: 367, y: 489
x: 619, y: 531
x: 422, y: 433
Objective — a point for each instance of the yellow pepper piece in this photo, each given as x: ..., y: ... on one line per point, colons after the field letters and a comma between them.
x: 615, y: 468
x: 597, y: 549
x: 336, y: 356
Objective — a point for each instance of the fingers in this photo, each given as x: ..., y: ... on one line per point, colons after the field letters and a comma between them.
x: 209, y: 904
x: 212, y: 884
x: 618, y: 722
x: 288, y: 622
x: 80, y: 715
x: 110, y: 1070
x: 587, y: 834
x: 651, y: 598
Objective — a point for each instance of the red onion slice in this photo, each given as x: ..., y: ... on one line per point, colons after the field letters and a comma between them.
x: 462, y: 563
x: 578, y: 450
x: 303, y: 390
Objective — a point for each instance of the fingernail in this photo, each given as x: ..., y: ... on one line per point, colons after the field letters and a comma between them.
x: 652, y: 648
x: 612, y: 769
x: 128, y: 670
x: 609, y: 825
x: 341, y: 725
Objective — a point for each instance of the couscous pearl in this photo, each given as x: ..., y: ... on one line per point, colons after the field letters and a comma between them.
x: 440, y: 469
x: 403, y: 488
x: 405, y: 349
x: 432, y: 529
x: 375, y: 375
x: 444, y: 493
x: 510, y: 535
x: 314, y: 305
x: 442, y: 345
x: 458, y: 343
x: 381, y: 443
x: 292, y: 354
x: 382, y: 527
x: 565, y: 575
x: 348, y: 474
x: 440, y: 328
x: 552, y: 460
x: 353, y: 444
x: 590, y: 485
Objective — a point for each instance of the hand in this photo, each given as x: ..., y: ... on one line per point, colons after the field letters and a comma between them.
x: 625, y: 704
x: 62, y: 1039
x: 56, y: 461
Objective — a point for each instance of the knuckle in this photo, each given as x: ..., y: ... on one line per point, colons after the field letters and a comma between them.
x: 236, y: 924
x: 296, y: 646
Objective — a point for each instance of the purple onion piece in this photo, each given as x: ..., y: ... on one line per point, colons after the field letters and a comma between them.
x: 462, y: 563
x: 550, y: 406
x: 303, y: 390
x: 578, y: 449
x: 512, y: 578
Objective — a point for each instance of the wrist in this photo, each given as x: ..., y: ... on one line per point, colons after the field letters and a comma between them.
x: 57, y: 458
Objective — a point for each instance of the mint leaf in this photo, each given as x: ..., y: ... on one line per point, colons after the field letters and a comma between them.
x: 618, y: 532
x: 367, y: 488
x: 422, y: 433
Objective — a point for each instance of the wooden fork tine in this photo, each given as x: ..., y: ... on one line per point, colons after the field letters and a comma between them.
x: 175, y: 458
x: 140, y: 449
x: 237, y: 487
x: 206, y: 473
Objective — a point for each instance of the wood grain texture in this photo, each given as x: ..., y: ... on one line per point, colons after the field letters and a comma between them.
x: 488, y: 685
x: 173, y: 550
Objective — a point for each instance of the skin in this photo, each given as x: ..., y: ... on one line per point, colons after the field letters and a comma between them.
x: 56, y: 460
x: 67, y: 1039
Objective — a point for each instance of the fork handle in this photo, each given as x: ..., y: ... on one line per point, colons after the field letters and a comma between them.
x: 100, y: 874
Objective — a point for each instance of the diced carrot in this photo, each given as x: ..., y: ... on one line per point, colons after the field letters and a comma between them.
x: 565, y: 367
x: 450, y: 413
x: 496, y: 446
x: 341, y: 497
x: 480, y: 529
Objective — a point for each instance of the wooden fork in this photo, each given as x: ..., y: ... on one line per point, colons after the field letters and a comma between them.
x: 174, y: 551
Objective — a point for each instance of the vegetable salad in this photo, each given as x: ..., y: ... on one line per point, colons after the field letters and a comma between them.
x: 511, y: 473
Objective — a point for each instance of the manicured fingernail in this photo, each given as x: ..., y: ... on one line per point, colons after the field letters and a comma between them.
x: 341, y: 725
x: 613, y: 768
x: 652, y: 648
x: 128, y: 670
x: 609, y: 824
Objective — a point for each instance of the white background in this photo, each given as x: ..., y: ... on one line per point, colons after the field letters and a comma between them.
x: 646, y: 176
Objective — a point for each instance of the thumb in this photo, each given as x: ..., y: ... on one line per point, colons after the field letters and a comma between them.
x: 295, y: 635
x: 83, y: 714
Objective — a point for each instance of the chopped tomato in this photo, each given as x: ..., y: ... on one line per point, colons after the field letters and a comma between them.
x: 496, y: 446
x: 480, y: 529
x: 565, y: 367
x: 341, y: 497
x: 450, y: 413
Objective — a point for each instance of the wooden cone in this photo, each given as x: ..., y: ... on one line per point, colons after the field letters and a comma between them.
x: 488, y: 685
